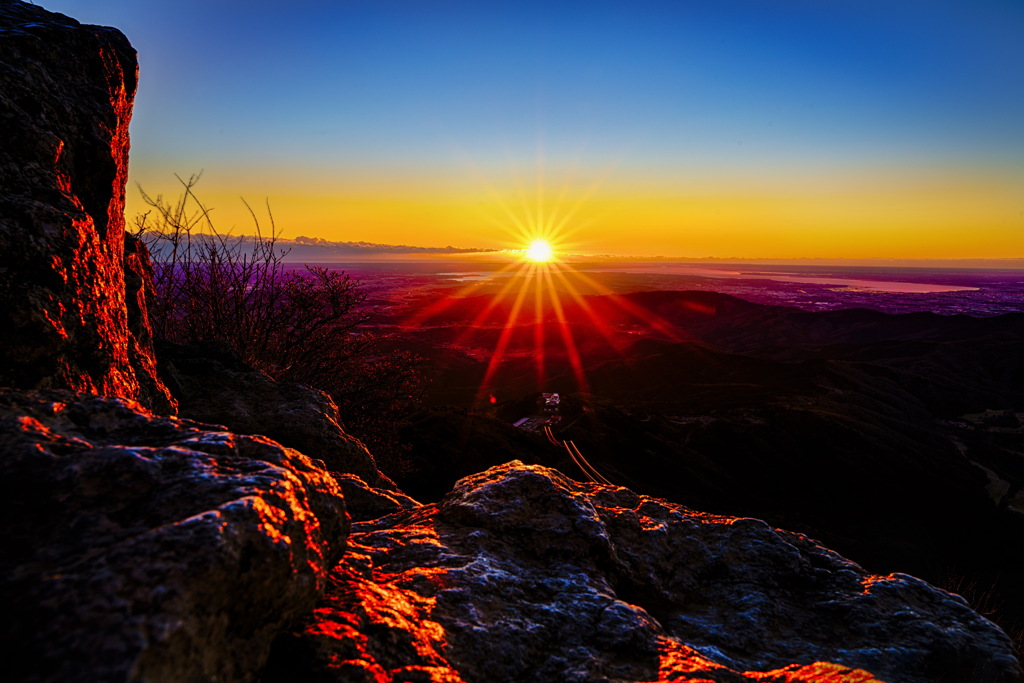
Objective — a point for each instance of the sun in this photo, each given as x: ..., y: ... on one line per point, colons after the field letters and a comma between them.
x: 539, y: 251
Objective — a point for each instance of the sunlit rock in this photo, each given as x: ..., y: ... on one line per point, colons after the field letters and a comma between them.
x: 521, y: 574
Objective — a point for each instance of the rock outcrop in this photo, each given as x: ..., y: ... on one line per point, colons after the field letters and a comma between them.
x: 66, y: 93
x: 147, y: 548
x: 520, y: 574
x: 212, y: 384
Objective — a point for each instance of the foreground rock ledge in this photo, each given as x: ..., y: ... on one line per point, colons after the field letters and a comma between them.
x: 520, y: 574
x: 152, y: 549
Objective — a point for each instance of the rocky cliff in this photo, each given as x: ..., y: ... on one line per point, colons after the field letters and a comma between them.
x: 145, y: 548
x: 66, y: 93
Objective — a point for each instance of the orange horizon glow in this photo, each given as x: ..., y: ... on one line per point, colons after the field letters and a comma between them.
x: 540, y: 231
x: 948, y: 217
x: 537, y: 289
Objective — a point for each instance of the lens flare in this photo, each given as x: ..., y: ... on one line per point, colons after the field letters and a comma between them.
x: 540, y: 310
x: 539, y: 251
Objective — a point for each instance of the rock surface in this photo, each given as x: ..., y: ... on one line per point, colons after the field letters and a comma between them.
x: 66, y: 93
x: 146, y: 548
x: 212, y: 384
x: 520, y: 574
x: 364, y: 502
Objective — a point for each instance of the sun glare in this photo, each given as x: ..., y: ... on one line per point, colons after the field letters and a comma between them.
x: 539, y: 251
x: 537, y: 309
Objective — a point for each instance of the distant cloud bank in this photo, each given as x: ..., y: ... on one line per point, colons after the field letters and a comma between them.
x: 327, y: 248
x: 304, y: 249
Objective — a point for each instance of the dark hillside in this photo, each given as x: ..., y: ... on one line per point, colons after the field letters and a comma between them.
x: 846, y: 425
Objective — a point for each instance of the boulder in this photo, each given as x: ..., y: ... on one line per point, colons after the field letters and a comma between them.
x: 66, y: 93
x: 213, y: 384
x: 520, y: 574
x: 143, y: 548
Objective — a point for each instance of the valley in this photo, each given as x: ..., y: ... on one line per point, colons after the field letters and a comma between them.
x: 893, y: 437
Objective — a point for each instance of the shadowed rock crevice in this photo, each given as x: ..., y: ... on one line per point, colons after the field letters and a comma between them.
x: 213, y: 384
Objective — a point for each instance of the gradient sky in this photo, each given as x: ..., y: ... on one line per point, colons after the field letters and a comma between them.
x: 749, y: 128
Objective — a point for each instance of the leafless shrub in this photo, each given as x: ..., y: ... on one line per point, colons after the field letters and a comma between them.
x: 303, y: 326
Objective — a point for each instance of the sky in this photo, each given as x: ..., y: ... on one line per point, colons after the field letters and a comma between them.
x: 690, y: 128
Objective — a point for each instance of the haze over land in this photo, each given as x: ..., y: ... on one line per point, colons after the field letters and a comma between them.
x: 731, y: 129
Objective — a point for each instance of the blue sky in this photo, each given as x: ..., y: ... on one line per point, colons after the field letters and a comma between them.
x: 672, y: 98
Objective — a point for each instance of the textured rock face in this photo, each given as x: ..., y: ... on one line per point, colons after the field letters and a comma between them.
x: 520, y: 574
x: 66, y: 93
x: 212, y: 384
x: 146, y: 548
x: 365, y: 502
